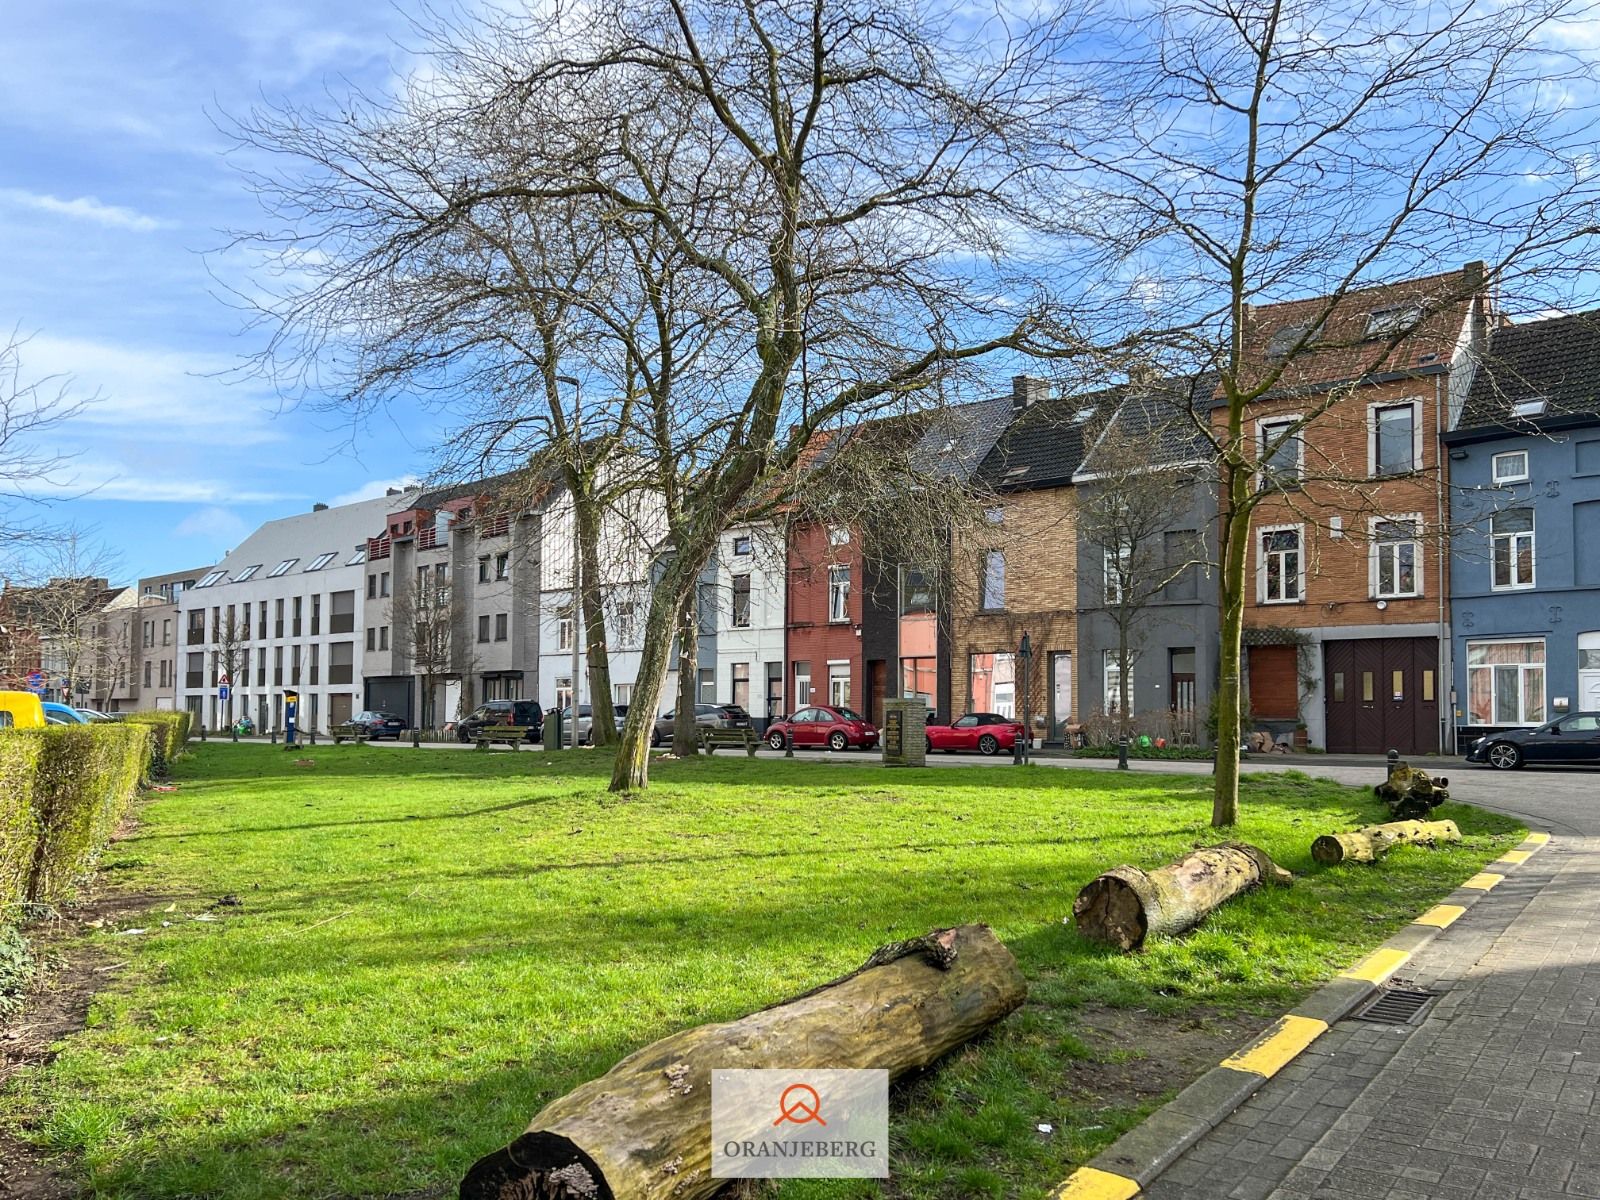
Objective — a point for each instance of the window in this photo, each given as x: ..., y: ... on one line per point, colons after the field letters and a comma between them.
x: 383, y: 637
x: 194, y: 671
x: 1511, y: 539
x: 277, y: 665
x: 1290, y: 336
x: 741, y: 684
x: 1281, y: 454
x: 564, y: 630
x: 1386, y: 322
x: 166, y: 631
x: 383, y: 584
x: 483, y: 628
x: 299, y: 607
x: 741, y: 545
x: 992, y: 683
x: 502, y: 567
x: 500, y: 624
x: 316, y: 615
x: 838, y: 535
x: 839, y: 683
x: 1396, y: 557
x: 1533, y: 406
x: 563, y: 692
x: 994, y: 580
x: 622, y: 694
x: 1113, y: 677
x: 483, y: 569
x: 247, y: 573
x: 244, y: 624
x: 1505, y: 683
x: 838, y: 593
x: 315, y: 655
x: 1117, y: 563
x: 994, y: 516
x: 277, y: 618
x: 372, y: 587
x: 147, y: 665
x: 1511, y: 467
x: 341, y: 612
x: 372, y: 638
x: 282, y: 568
x: 741, y: 601
x: 1282, y: 566
x: 321, y: 560
x: 802, y: 684
x: 359, y: 557
x: 1394, y: 448
x: 294, y: 666
x: 707, y: 685
x: 341, y: 661
x: 211, y: 579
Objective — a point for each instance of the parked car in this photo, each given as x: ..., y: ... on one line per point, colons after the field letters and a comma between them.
x: 21, y: 710
x: 830, y: 725
x: 1573, y: 739
x: 987, y: 733
x: 381, y: 724
x: 619, y: 713
x: 502, y: 712
x: 92, y: 714
x: 63, y: 714
x: 706, y: 716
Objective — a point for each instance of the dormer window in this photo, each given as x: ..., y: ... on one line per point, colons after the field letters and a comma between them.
x: 1399, y: 318
x: 1290, y: 336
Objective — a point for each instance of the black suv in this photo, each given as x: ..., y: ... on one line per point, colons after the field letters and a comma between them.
x: 502, y: 712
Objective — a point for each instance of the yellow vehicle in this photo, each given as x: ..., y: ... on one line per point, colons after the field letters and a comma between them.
x: 21, y: 710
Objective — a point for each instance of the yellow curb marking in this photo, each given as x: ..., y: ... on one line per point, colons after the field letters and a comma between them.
x: 1537, y: 839
x: 1379, y: 965
x: 1274, y: 1049
x: 1091, y: 1183
x: 1483, y: 881
x: 1440, y: 916
x: 1512, y: 857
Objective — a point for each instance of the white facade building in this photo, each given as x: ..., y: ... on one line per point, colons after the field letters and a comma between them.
x: 749, y: 613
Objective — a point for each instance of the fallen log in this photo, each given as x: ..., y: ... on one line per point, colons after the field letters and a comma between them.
x: 642, y: 1130
x: 1411, y: 793
x: 1125, y: 905
x: 1374, y: 841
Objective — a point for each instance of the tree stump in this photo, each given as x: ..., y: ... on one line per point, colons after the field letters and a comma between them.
x: 1411, y: 793
x: 640, y: 1132
x: 1126, y: 905
x: 1374, y: 841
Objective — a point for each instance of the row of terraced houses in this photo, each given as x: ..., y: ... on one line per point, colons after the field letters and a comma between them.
x: 1463, y: 596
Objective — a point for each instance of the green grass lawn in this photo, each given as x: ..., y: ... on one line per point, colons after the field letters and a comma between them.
x: 430, y: 945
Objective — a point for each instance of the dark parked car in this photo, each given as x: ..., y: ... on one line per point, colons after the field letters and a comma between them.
x: 380, y: 724
x: 1573, y: 739
x: 706, y: 716
x: 987, y: 733
x: 830, y: 725
x: 502, y: 712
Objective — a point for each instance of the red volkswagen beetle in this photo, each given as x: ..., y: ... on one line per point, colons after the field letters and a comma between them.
x: 830, y: 725
x: 987, y: 733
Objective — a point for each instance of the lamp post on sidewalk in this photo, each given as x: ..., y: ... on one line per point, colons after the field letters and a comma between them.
x: 1022, y: 746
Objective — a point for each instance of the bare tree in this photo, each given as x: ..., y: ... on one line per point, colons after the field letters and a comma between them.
x: 229, y: 652
x: 1274, y: 148
x: 30, y: 409
x: 423, y: 622
x: 62, y: 611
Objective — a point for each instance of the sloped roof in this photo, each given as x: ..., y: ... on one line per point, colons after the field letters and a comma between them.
x: 959, y: 437
x: 305, y: 536
x: 1556, y: 360
x: 1154, y: 415
x: 1044, y: 445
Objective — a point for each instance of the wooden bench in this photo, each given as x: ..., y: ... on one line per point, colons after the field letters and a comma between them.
x: 710, y: 739
x: 352, y: 731
x: 511, y: 735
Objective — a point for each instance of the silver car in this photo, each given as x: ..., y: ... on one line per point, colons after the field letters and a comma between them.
x: 706, y: 716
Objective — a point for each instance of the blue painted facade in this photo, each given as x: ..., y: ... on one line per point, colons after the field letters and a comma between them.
x: 1504, y: 621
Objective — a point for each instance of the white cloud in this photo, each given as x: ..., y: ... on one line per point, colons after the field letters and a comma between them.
x: 102, y: 481
x: 374, y: 488
x: 213, y: 522
x: 84, y: 208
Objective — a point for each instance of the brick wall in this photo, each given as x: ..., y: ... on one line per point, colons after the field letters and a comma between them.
x: 810, y: 636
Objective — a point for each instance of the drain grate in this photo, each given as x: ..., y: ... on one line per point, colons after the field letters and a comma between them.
x: 1395, y: 1006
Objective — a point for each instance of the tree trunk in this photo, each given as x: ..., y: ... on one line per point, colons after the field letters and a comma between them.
x: 1412, y: 793
x: 591, y: 600
x: 685, y: 735
x: 1124, y: 726
x: 640, y: 1131
x: 1126, y: 905
x: 1230, y: 656
x: 1373, y: 842
x: 631, y: 770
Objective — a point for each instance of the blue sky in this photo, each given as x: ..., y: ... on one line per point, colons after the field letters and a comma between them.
x: 116, y: 185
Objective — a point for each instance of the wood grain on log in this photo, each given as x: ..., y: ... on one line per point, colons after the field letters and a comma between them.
x: 642, y: 1131
x: 1412, y: 793
x: 1372, y: 842
x: 1126, y: 905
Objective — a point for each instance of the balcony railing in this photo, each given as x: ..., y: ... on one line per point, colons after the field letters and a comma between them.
x: 377, y: 548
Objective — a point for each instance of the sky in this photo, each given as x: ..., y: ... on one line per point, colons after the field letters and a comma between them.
x: 116, y: 189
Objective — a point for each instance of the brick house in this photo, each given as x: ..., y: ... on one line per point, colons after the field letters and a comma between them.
x: 1346, y: 622
x: 823, y: 585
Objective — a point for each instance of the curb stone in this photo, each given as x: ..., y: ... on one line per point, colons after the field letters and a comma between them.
x: 1123, y: 1168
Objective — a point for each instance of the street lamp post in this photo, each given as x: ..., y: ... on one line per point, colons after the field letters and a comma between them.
x: 577, y: 550
x: 1022, y: 747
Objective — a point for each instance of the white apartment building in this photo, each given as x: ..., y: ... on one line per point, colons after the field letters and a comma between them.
x: 749, y: 616
x: 282, y: 612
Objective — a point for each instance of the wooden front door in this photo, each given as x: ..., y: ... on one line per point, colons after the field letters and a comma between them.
x: 1382, y: 694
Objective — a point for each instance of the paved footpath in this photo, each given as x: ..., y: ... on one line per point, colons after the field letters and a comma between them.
x: 1491, y: 1096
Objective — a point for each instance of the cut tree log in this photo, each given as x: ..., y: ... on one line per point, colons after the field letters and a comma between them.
x: 642, y: 1130
x: 1411, y: 793
x: 1372, y: 842
x: 1126, y: 905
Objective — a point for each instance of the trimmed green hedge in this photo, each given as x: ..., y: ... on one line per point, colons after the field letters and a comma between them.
x: 66, y: 788
x: 169, y: 733
x: 1168, y: 753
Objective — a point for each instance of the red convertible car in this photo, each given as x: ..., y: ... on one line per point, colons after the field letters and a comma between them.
x: 987, y: 733
x: 829, y: 725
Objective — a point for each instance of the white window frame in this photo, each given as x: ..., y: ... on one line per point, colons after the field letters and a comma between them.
x: 1415, y: 405
x: 986, y: 598
x: 1494, y: 468
x: 839, y: 673
x: 749, y: 600
x: 1111, y: 682
x: 1375, y: 555
x: 282, y: 568
x: 1261, y: 448
x: 320, y: 561
x: 1533, y: 554
x: 1522, y: 691
x: 1116, y: 561
x: 1261, y: 563
x: 565, y: 630
x: 838, y: 594
x: 838, y: 535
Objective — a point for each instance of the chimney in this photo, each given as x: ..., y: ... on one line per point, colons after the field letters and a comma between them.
x: 1026, y: 391
x: 1143, y: 374
x: 319, y: 507
x: 392, y: 492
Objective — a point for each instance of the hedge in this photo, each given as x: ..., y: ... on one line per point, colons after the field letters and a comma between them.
x: 169, y: 733
x: 66, y: 788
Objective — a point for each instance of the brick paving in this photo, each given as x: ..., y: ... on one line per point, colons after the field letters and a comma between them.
x: 1491, y: 1096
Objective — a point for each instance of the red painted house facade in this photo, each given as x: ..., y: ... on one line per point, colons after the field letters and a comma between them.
x: 822, y: 638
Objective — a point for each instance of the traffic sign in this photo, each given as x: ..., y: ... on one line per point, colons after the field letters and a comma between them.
x: 36, y: 682
x: 222, y: 691
x: 225, y: 680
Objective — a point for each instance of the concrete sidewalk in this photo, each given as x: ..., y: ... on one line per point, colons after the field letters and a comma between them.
x: 1491, y: 1096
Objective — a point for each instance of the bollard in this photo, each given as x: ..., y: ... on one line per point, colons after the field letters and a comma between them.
x: 274, y: 737
x: 788, y: 742
x: 234, y: 729
x: 416, y: 739
x: 202, y: 733
x: 1392, y: 759
x: 311, y: 737
x: 1122, y: 753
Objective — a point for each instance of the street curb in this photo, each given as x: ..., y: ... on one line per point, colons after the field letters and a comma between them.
x: 1129, y: 1164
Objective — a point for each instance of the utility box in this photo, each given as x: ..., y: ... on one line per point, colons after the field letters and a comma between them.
x: 905, y: 737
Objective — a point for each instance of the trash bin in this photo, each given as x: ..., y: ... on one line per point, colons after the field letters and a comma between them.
x: 552, y: 729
